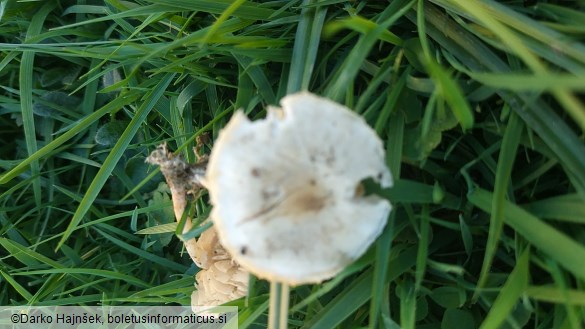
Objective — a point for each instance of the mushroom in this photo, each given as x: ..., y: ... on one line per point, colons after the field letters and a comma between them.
x: 220, y: 279
x: 181, y: 178
x: 287, y: 193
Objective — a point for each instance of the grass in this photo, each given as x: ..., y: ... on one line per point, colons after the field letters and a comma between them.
x: 479, y: 103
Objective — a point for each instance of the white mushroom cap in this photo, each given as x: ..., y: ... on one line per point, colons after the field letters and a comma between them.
x: 288, y: 203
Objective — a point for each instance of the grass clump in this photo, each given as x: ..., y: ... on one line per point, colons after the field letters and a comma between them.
x: 480, y: 104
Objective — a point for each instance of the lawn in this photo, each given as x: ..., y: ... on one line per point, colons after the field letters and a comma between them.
x: 479, y: 104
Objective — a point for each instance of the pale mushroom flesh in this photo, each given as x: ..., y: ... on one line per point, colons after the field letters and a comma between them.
x: 286, y: 190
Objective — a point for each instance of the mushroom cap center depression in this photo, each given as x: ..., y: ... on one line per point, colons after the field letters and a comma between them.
x: 286, y: 189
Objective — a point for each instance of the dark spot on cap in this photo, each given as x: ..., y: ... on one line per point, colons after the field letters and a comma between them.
x: 359, y: 191
x: 243, y: 250
x: 313, y: 182
x: 269, y: 193
x: 255, y: 172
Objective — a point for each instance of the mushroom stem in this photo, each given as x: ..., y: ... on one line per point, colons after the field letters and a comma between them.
x: 278, y: 310
x: 181, y: 178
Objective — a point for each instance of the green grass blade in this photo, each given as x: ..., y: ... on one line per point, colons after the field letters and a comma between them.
x: 452, y: 93
x: 221, y: 19
x: 143, y: 254
x: 569, y: 207
x: 258, y: 78
x: 300, y: 49
x: 70, y: 133
x: 384, y: 242
x: 363, y: 26
x: 407, y: 305
x: 26, y: 96
x: 117, y: 151
x: 526, y: 82
x: 550, y: 294
x: 169, y: 288
x: 17, y: 286
x: 423, y: 252
x: 504, y: 170
x: 390, y: 104
x: 27, y: 256
x: 566, y: 251
x: 312, y: 46
x: 349, y: 69
x: 512, y: 290
x: 247, y: 10
x: 92, y: 272
x: 537, y: 115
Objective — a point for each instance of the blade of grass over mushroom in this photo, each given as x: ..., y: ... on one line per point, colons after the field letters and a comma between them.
x: 116, y: 153
x: 196, y: 231
x: 502, y: 182
x: 358, y: 54
x: 26, y: 96
x: 512, y: 290
x: 556, y: 244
